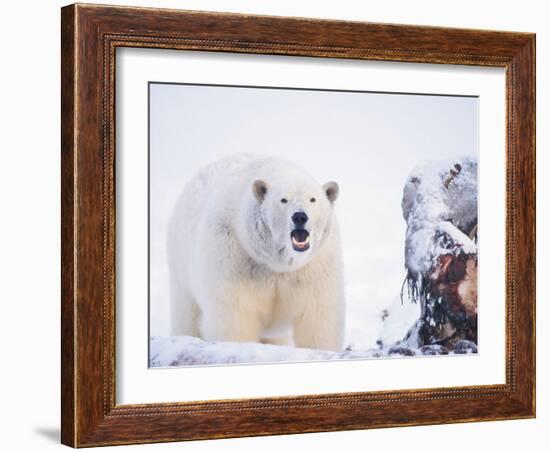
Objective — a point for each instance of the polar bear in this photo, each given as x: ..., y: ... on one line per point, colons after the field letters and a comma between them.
x: 254, y: 255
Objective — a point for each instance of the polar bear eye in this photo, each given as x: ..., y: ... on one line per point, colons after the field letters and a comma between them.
x: 284, y: 200
x: 312, y: 200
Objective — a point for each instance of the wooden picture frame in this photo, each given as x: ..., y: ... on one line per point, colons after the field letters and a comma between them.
x: 90, y: 35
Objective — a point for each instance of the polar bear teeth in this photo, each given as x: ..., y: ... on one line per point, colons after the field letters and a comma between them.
x: 300, y: 244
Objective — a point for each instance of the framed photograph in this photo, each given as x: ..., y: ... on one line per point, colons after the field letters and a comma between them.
x: 280, y: 225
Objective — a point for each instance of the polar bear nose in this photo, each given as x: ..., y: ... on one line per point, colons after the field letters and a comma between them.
x: 300, y: 219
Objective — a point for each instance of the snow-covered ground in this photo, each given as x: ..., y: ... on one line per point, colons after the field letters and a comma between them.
x: 367, y: 142
x: 191, y: 351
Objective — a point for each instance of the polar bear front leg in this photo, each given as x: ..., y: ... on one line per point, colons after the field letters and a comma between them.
x: 184, y: 312
x: 231, y: 315
x: 320, y: 327
x: 321, y: 322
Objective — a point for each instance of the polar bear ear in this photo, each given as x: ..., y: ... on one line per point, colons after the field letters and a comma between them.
x: 331, y: 189
x: 259, y: 188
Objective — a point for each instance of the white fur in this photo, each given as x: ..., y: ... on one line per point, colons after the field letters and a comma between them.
x: 234, y: 275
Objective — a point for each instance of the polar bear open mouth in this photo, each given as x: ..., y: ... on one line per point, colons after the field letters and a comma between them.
x: 300, y: 239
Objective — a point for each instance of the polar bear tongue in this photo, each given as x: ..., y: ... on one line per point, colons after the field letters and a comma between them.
x: 300, y: 239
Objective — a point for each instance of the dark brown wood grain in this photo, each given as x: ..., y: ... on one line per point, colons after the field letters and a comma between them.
x: 90, y: 35
x: 67, y: 225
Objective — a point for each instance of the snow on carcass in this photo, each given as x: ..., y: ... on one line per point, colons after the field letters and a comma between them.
x: 441, y: 246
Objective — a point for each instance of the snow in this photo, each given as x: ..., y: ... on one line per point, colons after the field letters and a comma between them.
x: 401, y: 316
x: 186, y: 350
x: 190, y: 351
x: 439, y: 199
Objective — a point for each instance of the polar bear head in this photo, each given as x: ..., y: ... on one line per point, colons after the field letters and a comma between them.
x: 288, y: 217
